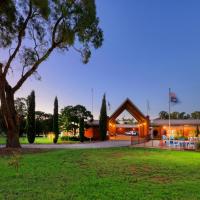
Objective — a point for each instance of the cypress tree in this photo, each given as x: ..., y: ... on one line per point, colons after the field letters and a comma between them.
x: 103, y: 119
x: 31, y: 117
x: 55, y: 120
x: 197, y: 131
x: 81, y: 129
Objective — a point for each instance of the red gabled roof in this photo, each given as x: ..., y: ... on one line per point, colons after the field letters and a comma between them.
x: 131, y: 108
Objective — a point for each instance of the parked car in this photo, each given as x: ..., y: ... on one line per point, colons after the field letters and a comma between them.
x: 133, y: 133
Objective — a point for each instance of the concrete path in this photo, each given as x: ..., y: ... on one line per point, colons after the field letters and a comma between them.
x: 106, y: 144
x: 149, y: 144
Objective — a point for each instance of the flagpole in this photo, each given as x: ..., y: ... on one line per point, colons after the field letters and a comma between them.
x: 148, y: 107
x: 92, y: 99
x: 169, y: 111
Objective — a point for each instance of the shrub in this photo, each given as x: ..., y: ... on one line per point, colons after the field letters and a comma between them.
x: 183, y: 138
x: 197, y: 146
x: 67, y: 138
x: 15, y: 161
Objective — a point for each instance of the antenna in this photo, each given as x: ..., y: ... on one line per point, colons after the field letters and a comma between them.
x: 148, y: 107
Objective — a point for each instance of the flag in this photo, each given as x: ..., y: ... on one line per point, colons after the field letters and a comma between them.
x: 173, y: 97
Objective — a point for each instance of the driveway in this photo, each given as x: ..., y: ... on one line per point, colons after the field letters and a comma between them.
x: 105, y: 144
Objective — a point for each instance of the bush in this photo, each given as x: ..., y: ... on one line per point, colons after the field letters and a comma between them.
x: 67, y: 138
x: 197, y: 146
x: 180, y: 138
x: 183, y: 138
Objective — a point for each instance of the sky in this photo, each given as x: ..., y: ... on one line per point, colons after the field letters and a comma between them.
x: 149, y: 46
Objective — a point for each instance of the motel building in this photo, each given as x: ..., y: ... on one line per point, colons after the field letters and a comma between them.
x: 178, y: 128
x: 142, y: 128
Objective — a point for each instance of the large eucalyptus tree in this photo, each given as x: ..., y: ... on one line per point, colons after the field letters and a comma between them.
x: 30, y: 30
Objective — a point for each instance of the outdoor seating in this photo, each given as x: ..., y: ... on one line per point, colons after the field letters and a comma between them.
x: 171, y: 142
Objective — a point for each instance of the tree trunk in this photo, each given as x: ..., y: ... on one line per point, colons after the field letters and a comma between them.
x: 10, y: 115
x: 74, y: 131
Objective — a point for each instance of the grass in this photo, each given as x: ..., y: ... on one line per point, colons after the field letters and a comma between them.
x: 117, y: 173
x: 38, y: 140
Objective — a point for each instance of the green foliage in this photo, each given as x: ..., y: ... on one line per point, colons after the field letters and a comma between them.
x: 179, y: 115
x: 55, y: 121
x: 21, y: 109
x: 197, y: 146
x: 182, y: 115
x: 195, y: 115
x: 174, y: 115
x: 44, y: 122
x: 67, y: 22
x: 71, y: 115
x: 69, y: 138
x: 103, y: 119
x: 163, y: 115
x: 8, y: 17
x: 43, y: 7
x: 81, y: 130
x: 180, y: 137
x: 30, y: 126
x: 21, y: 106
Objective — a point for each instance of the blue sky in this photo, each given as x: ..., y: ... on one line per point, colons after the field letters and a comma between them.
x: 149, y: 46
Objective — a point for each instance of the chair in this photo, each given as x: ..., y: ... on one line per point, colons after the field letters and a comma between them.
x: 191, y: 142
x: 176, y: 143
x: 171, y: 140
x: 165, y: 140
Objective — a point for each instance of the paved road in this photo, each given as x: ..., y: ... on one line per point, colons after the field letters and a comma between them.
x: 106, y: 144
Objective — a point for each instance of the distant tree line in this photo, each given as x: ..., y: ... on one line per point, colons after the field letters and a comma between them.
x: 31, y: 122
x: 43, y: 121
x: 179, y: 115
x: 36, y: 123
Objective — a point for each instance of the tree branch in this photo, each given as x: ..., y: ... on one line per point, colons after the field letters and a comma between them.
x: 32, y: 69
x: 55, y: 29
x: 35, y: 43
x: 41, y: 59
x: 78, y: 50
x: 20, y: 36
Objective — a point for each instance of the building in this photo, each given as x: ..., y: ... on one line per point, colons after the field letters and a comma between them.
x: 144, y: 128
x: 178, y: 127
x: 114, y: 129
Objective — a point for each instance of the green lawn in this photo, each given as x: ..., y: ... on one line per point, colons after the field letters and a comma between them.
x: 117, y: 173
x: 38, y: 140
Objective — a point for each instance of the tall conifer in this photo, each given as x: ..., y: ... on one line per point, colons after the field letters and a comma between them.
x: 103, y: 119
x: 30, y: 126
x: 55, y: 120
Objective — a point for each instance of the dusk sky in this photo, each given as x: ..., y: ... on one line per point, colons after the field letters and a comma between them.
x: 149, y: 46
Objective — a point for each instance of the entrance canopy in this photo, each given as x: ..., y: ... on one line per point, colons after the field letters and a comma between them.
x: 143, y: 121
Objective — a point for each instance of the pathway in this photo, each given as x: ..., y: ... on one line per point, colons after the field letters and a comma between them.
x: 105, y: 144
